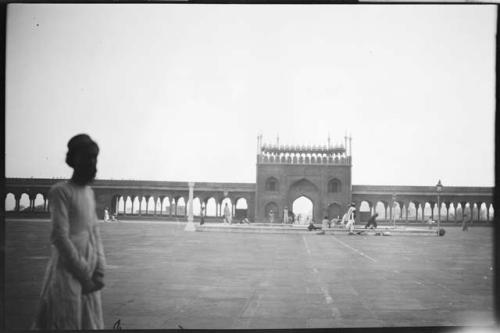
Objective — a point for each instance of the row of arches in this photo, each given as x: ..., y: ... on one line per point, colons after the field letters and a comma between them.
x: 26, y: 203
x: 416, y: 211
x: 137, y: 205
x: 176, y: 206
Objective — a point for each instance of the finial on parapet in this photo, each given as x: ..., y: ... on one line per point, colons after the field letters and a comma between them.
x: 350, y: 144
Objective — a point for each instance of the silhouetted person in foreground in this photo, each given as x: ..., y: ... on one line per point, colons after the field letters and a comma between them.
x: 71, y: 297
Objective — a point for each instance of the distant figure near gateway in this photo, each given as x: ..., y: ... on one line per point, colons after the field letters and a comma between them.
x: 371, y: 222
x: 227, y: 214
x: 349, y: 218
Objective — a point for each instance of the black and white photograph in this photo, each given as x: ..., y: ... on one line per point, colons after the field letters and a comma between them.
x: 249, y: 166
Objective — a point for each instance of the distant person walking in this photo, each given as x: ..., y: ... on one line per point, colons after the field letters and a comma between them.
x: 350, y: 217
x: 202, y: 216
x: 227, y: 214
x: 325, y: 223
x: 465, y: 222
x: 71, y: 297
x: 371, y: 222
x: 285, y: 215
x: 106, y: 214
x: 271, y: 216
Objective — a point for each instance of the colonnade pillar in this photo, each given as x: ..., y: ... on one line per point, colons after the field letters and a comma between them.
x: 454, y: 211
x: 407, y: 206
x: 18, y: 200
x: 463, y: 209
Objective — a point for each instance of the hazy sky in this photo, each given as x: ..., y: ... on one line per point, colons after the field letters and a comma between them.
x: 180, y: 92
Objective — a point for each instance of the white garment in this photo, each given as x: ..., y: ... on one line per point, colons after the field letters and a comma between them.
x: 349, y: 216
x: 227, y: 214
x: 77, y: 252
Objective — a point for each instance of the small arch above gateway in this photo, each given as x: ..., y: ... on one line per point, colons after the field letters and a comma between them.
x: 304, y: 185
x: 334, y: 186
x: 272, y: 184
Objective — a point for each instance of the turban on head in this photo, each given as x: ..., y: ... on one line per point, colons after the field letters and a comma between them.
x: 77, y: 144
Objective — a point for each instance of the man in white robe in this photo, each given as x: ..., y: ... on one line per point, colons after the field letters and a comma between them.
x: 350, y: 217
x: 227, y: 214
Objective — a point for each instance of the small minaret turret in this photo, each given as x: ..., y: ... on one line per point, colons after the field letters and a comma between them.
x: 350, y: 144
x: 259, y: 144
x: 345, y: 143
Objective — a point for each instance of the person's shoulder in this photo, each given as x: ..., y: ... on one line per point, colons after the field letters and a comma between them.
x: 60, y: 186
x: 60, y: 189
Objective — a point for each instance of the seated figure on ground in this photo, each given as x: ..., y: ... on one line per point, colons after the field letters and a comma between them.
x: 371, y: 222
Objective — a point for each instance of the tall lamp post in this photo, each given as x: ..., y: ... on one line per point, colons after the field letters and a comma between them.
x: 439, y: 188
x: 394, y: 210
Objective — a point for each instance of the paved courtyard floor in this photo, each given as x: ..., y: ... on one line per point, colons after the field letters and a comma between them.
x: 160, y: 276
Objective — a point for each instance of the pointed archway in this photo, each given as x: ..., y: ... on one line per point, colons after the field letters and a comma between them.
x: 307, y: 189
x: 303, y: 208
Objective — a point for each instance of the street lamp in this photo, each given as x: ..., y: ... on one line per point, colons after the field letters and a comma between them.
x: 394, y: 210
x: 439, y: 188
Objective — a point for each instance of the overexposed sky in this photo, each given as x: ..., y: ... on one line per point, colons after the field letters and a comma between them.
x: 180, y: 92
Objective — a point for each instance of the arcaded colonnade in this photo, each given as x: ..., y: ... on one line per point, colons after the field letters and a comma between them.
x: 419, y: 203
x: 29, y: 197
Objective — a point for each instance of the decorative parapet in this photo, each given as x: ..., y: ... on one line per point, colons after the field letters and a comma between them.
x: 301, y: 154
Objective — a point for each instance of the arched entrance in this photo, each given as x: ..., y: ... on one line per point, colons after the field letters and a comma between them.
x: 303, y: 209
x: 241, y: 208
x: 272, y: 212
x: 308, y: 191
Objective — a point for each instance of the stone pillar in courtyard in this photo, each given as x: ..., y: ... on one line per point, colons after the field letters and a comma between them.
x: 190, y: 225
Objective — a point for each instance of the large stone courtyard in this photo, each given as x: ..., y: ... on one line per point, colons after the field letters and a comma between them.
x: 160, y: 276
